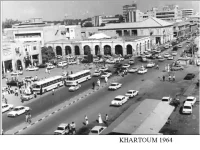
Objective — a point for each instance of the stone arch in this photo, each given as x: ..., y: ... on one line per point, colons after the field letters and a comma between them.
x: 86, y: 49
x: 97, y: 50
x: 58, y: 50
x: 77, y: 50
x: 129, y: 49
x: 68, y: 50
x: 19, y: 64
x: 107, y: 50
x: 118, y: 50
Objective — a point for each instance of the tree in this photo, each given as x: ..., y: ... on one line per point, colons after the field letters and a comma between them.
x: 8, y: 23
x: 47, y: 54
x: 88, y: 24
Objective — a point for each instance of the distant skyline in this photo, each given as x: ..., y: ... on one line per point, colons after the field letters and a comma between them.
x: 57, y: 10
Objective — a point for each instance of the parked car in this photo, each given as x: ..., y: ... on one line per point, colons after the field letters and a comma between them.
x: 161, y: 59
x: 50, y: 66
x: 131, y: 62
x: 18, y: 111
x: 62, y: 129
x: 74, y: 87
x: 179, y: 46
x: 103, y: 69
x: 177, y: 67
x: 16, y: 73
x: 174, y: 53
x: 132, y: 93
x: 119, y: 100
x: 97, y: 73
x: 27, y: 97
x: 32, y: 68
x: 150, y: 65
x: 6, y: 107
x: 170, y: 58
x: 189, y: 76
x: 167, y: 99
x: 133, y: 69
x: 128, y: 56
x: 166, y: 55
x: 191, y: 100
x: 126, y: 66
x: 187, y: 108
x: 115, y: 86
x: 97, y: 130
x: 142, y: 71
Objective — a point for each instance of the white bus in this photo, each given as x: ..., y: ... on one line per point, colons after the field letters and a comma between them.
x: 62, y: 64
x: 78, y: 77
x: 48, y: 84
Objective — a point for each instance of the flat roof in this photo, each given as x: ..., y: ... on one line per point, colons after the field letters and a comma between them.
x: 78, y: 73
x: 150, y: 112
x: 47, y: 80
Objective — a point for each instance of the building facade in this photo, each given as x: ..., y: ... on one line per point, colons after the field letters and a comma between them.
x: 129, y: 12
x: 187, y: 12
x: 73, y: 32
x: 123, y: 46
x: 100, y: 20
x: 16, y: 55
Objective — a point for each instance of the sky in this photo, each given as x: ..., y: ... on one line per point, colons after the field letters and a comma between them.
x: 79, y: 9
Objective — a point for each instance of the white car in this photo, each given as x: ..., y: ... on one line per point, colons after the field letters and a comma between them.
x: 59, y: 56
x: 103, y: 69
x: 159, y: 56
x: 132, y: 93
x: 179, y: 46
x: 18, y: 111
x: 161, y: 59
x: 27, y: 97
x: 97, y: 130
x: 72, y: 62
x: 16, y: 73
x: 150, y: 64
x: 167, y: 99
x: 142, y: 71
x: 32, y: 69
x: 119, y: 100
x: 50, y: 66
x: 174, y: 53
x: 6, y: 107
x: 191, y: 100
x: 187, y: 108
x: 62, y: 129
x: 131, y: 62
x: 133, y: 69
x: 148, y: 55
x: 115, y: 86
x: 97, y: 73
x: 110, y: 61
x: 126, y: 66
x: 166, y: 55
x: 74, y: 87
x: 106, y: 74
x: 166, y: 46
x: 198, y: 62
x: 170, y: 58
x: 29, y: 78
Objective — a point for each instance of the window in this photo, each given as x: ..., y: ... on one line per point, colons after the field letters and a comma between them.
x: 34, y: 48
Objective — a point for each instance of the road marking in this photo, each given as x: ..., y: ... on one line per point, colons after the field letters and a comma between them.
x: 24, y: 128
x: 40, y: 120
x: 28, y: 126
x: 33, y: 123
x: 36, y: 122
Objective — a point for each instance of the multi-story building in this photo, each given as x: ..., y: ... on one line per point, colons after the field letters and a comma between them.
x: 159, y: 30
x: 129, y: 13
x: 20, y: 54
x: 99, y: 20
x: 73, y: 32
x: 187, y: 12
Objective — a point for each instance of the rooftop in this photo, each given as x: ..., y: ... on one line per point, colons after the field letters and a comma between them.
x: 148, y: 23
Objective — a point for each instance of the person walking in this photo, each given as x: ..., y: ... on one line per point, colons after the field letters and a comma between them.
x: 53, y: 92
x: 46, y: 71
x: 169, y: 77
x: 29, y: 118
x: 86, y: 120
x: 6, y: 101
x: 106, y: 117
x: 93, y: 85
x: 16, y: 92
x: 98, y: 82
x: 49, y: 71
x: 36, y: 77
x: 173, y: 77
x: 106, y: 79
x: 73, y: 127
x: 163, y: 78
x: 35, y: 94
x: 26, y: 117
x: 71, y: 72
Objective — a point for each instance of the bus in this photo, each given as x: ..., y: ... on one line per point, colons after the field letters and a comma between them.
x: 48, y: 84
x: 78, y: 77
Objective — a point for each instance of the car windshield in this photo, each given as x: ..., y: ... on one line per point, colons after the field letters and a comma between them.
x: 165, y: 99
x: 134, y: 68
x: 73, y: 86
x: 94, y: 131
x: 15, y: 109
x: 113, y: 84
x: 60, y: 128
x: 189, y: 99
x: 129, y: 92
x: 187, y: 107
x: 117, y: 99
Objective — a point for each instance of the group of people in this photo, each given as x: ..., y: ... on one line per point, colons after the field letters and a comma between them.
x: 99, y: 119
x: 99, y: 82
x: 170, y: 77
x: 28, y: 118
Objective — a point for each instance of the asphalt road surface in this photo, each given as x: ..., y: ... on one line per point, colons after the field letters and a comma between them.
x: 98, y: 102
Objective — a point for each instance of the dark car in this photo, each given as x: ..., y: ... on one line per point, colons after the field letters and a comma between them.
x: 152, y: 57
x: 189, y: 76
x: 128, y: 56
x: 42, y: 66
x: 14, y: 83
x: 117, y: 65
x: 85, y: 61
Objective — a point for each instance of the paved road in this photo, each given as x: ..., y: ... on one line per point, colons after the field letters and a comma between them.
x: 45, y: 102
x: 98, y: 103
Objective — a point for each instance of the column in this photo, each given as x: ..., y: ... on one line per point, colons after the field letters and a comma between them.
x: 23, y: 64
x: 13, y: 65
x: 130, y: 32
x: 3, y: 67
x: 63, y: 50
x: 122, y: 32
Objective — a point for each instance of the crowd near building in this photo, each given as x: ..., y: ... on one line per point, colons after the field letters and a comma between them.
x: 140, y: 31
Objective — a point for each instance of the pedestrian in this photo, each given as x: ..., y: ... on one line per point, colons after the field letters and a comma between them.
x: 73, y: 127
x: 86, y: 120
x: 41, y: 91
x: 3, y: 95
x: 163, y: 78
x: 98, y: 82
x: 49, y: 71
x: 46, y: 71
x: 106, y: 118
x: 6, y: 101
x: 36, y: 77
x: 169, y: 77
x: 53, y: 92
x: 71, y: 72
x: 173, y: 77
x: 100, y: 119
x: 93, y: 85
x: 20, y: 91
x: 29, y: 118
x: 35, y: 94
x: 26, y: 117
x: 16, y: 92
x: 106, y: 79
